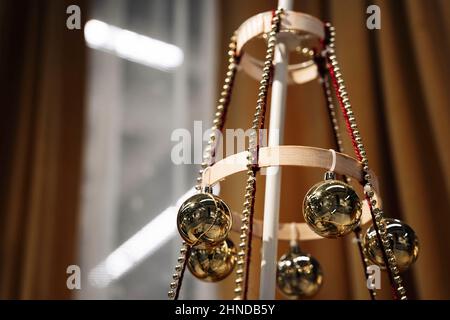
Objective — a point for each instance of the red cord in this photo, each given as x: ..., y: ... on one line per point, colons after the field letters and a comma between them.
x: 344, y: 111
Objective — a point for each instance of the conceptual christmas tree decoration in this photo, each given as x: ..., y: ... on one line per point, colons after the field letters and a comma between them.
x: 331, y: 209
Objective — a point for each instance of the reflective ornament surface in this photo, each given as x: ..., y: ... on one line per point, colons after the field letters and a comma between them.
x: 298, y: 274
x: 204, y: 218
x: 212, y: 264
x: 332, y: 208
x: 404, y: 243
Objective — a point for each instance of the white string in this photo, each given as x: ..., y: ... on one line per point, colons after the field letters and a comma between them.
x: 333, y: 163
x: 293, y: 241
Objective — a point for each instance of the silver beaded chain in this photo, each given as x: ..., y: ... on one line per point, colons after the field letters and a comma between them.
x: 376, y: 212
x: 241, y: 281
x: 340, y: 146
x: 208, y: 157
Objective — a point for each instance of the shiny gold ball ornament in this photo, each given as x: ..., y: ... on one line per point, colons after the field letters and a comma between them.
x: 212, y: 264
x: 403, y: 240
x: 332, y: 208
x: 204, y: 218
x: 298, y: 274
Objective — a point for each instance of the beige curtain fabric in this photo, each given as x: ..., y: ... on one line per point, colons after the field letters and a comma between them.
x: 397, y: 79
x: 42, y: 85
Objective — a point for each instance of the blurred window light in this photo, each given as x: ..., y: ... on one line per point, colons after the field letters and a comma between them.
x: 141, y: 245
x: 132, y: 46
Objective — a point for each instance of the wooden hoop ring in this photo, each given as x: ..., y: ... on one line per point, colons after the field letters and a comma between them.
x: 302, y: 156
x: 290, y: 156
x: 297, y: 73
x: 292, y: 22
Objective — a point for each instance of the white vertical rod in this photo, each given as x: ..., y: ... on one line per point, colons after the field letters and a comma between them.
x: 273, y: 180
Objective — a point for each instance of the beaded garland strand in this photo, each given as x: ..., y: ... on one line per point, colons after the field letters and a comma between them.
x: 379, y: 224
x: 241, y: 281
x: 208, y: 157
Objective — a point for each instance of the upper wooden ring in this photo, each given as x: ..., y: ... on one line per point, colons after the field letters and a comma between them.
x: 292, y: 22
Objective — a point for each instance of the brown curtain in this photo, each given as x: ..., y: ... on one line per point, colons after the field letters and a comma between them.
x: 42, y: 78
x: 397, y: 79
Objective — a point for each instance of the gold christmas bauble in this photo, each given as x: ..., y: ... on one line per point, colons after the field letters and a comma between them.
x: 212, y: 264
x: 204, y: 218
x: 403, y: 242
x: 298, y: 274
x: 332, y: 208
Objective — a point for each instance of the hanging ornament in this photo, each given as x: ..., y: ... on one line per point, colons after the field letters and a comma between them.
x: 331, y: 207
x: 204, y: 219
x: 298, y: 274
x: 212, y: 264
x: 403, y: 242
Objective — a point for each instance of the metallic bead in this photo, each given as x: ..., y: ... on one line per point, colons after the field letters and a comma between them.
x: 392, y: 261
x: 173, y: 285
x: 332, y: 208
x: 395, y: 270
x: 204, y: 218
x: 212, y: 264
x: 401, y: 239
x: 175, y: 276
x: 298, y: 274
x: 171, y: 294
x: 386, y: 243
x: 178, y: 268
x: 370, y: 193
x: 382, y: 226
